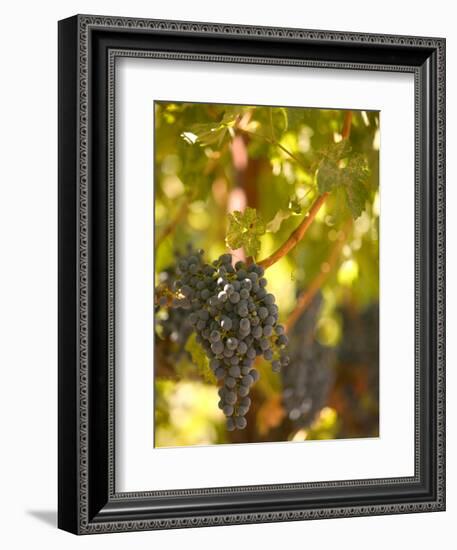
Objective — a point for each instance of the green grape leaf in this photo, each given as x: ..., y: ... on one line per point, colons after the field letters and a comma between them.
x: 212, y: 133
x: 357, y: 194
x: 244, y: 230
x: 329, y: 171
x: 338, y: 170
x: 199, y: 359
x: 328, y: 175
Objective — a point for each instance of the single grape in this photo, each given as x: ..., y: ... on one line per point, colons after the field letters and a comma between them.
x: 263, y: 312
x: 244, y: 293
x: 264, y: 344
x: 257, y: 332
x: 228, y: 289
x: 246, y: 402
x: 227, y: 410
x: 254, y: 374
x: 246, y: 284
x: 232, y: 343
x: 230, y: 382
x: 226, y: 323
x: 230, y: 424
x: 282, y: 340
x: 247, y: 380
x: 243, y: 391
x: 235, y: 371
x: 242, y: 348
x: 240, y: 422
x: 220, y: 373
x: 245, y: 325
x: 217, y: 347
x: 215, y: 336
x: 230, y: 397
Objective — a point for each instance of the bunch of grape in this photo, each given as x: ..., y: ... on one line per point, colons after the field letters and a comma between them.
x: 358, y: 371
x: 360, y: 342
x: 171, y: 323
x: 308, y: 378
x: 236, y: 320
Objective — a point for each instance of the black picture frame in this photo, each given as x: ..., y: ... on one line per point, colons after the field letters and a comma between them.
x: 87, y: 500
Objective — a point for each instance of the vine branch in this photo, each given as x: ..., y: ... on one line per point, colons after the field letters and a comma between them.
x: 327, y: 266
x: 300, y: 231
x: 297, y: 235
x: 347, y: 123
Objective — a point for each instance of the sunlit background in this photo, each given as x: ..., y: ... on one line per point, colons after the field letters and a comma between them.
x: 213, y: 159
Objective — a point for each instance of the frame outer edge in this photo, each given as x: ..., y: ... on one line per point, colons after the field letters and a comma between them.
x: 84, y: 23
x: 68, y: 452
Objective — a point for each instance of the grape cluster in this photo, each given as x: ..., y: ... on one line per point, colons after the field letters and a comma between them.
x: 358, y: 356
x: 360, y: 342
x: 236, y: 320
x: 309, y: 376
x: 171, y: 323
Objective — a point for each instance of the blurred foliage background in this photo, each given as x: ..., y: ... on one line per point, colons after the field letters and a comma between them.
x: 212, y: 160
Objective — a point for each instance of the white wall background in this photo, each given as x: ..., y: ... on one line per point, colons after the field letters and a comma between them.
x: 28, y: 289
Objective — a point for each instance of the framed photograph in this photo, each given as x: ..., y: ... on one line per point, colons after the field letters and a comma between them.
x: 251, y: 274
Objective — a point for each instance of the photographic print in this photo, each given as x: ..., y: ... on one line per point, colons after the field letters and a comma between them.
x: 266, y: 273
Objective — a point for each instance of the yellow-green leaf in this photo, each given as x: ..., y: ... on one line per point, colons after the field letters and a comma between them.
x: 199, y: 359
x: 244, y: 230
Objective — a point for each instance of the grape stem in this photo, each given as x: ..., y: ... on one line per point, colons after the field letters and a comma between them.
x: 297, y: 235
